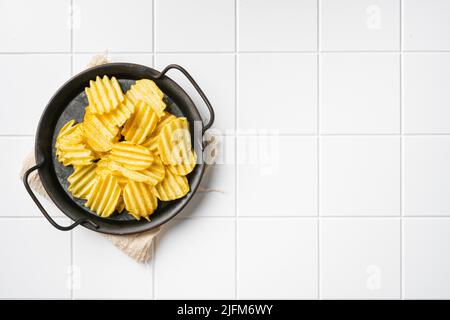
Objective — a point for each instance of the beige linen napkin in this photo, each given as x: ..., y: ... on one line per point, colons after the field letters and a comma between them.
x: 137, y: 246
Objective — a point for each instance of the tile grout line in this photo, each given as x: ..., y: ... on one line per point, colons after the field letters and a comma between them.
x: 401, y: 150
x: 235, y: 149
x: 318, y: 6
x: 71, y: 74
x: 153, y: 262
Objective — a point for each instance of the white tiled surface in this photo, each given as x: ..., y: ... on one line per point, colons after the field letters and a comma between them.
x: 355, y: 201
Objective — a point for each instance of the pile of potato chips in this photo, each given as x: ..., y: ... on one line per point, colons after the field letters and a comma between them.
x: 127, y: 152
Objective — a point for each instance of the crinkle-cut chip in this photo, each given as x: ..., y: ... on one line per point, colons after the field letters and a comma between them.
x: 121, y: 114
x: 66, y: 129
x: 120, y: 205
x: 172, y: 187
x: 155, y: 173
x: 134, y: 175
x: 104, y: 95
x: 152, y: 141
x: 147, y: 90
x: 98, y: 133
x: 174, y: 142
x: 72, y: 136
x: 186, y: 166
x: 104, y: 195
x: 82, y: 180
x: 141, y: 123
x: 77, y: 155
x: 139, y: 199
x: 104, y: 171
x: 131, y: 156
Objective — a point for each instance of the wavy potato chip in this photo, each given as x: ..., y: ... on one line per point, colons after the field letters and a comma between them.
x: 131, y: 156
x: 146, y: 90
x: 155, y: 173
x: 141, y: 124
x: 152, y: 141
x: 104, y: 196
x: 174, y: 142
x: 172, y: 187
x: 186, y: 166
x: 76, y: 155
x: 104, y: 95
x: 139, y: 199
x: 82, y: 180
x: 99, y: 133
x: 121, y: 114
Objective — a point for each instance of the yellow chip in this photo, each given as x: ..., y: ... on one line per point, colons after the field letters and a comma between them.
x: 131, y: 156
x: 186, y: 166
x: 65, y: 129
x: 70, y: 136
x: 152, y: 141
x: 98, y: 132
x: 174, y: 142
x: 155, y: 173
x: 104, y: 169
x: 77, y: 155
x: 104, y: 196
x: 104, y: 95
x: 120, y: 205
x: 146, y: 90
x: 141, y: 124
x: 139, y: 199
x: 121, y: 114
x: 82, y: 180
x: 172, y: 187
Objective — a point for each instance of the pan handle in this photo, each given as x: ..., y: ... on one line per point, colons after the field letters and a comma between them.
x: 196, y: 86
x: 39, y: 205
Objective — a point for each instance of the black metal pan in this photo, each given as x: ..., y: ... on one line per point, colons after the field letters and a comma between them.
x: 69, y: 102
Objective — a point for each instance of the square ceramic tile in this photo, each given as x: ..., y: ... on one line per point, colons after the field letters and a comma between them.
x: 277, y: 176
x: 26, y: 26
x: 359, y: 175
x: 278, y: 92
x: 277, y: 258
x: 426, y: 98
x: 426, y: 258
x: 271, y: 25
x: 35, y: 260
x: 111, y: 25
x: 426, y: 24
x: 194, y: 25
x: 19, y: 203
x: 23, y: 105
x: 426, y: 178
x: 360, y: 93
x: 82, y: 60
x: 92, y: 251
x: 360, y: 258
x: 216, y: 194
x: 360, y: 25
x: 195, y: 259
x: 215, y: 74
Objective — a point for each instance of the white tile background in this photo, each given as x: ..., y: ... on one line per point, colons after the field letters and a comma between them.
x: 358, y: 90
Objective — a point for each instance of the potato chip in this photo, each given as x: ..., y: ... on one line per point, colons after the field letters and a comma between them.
x: 139, y: 199
x: 131, y: 156
x: 70, y: 136
x: 66, y: 129
x: 155, y: 173
x: 174, y: 142
x: 141, y: 124
x: 82, y: 180
x: 121, y: 114
x: 104, y: 169
x: 186, y: 166
x: 104, y: 196
x: 172, y: 187
x: 104, y: 95
x: 99, y: 133
x: 120, y: 205
x: 146, y: 90
x: 77, y: 155
x: 152, y: 141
